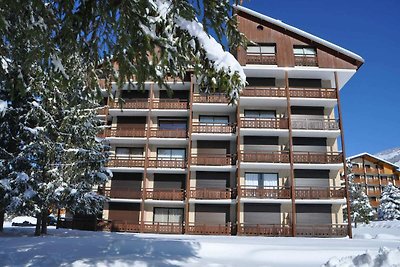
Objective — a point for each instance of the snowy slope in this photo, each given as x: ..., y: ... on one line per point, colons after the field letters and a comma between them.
x: 392, y: 155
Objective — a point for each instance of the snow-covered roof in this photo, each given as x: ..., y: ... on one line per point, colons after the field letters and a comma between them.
x: 300, y: 32
x: 374, y: 157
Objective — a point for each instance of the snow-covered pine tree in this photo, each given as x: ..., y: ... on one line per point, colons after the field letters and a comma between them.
x: 389, y: 207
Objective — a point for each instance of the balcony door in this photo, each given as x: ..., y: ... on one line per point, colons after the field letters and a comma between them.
x: 261, y: 180
x: 172, y: 124
x: 171, y: 153
x: 260, y: 114
x: 214, y: 120
x: 129, y: 152
x: 168, y: 215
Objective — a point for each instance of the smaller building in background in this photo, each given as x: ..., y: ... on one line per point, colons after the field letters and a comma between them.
x: 374, y: 173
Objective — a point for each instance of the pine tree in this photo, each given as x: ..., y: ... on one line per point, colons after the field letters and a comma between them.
x: 389, y: 207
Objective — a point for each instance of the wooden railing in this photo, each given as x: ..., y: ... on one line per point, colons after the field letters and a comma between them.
x: 273, y: 123
x: 121, y: 192
x: 167, y: 163
x: 213, y: 160
x: 163, y: 228
x: 373, y: 181
x: 213, y: 128
x: 269, y: 157
x: 317, y: 157
x: 262, y: 59
x: 319, y: 193
x: 359, y: 180
x: 125, y: 132
x: 326, y: 230
x: 273, y: 192
x: 374, y: 203
x: 165, y: 194
x: 315, y: 124
x: 138, y: 103
x: 313, y: 93
x: 206, y: 229
x: 126, y: 161
x: 101, y: 111
x: 264, y: 92
x: 357, y: 170
x: 371, y: 170
x: 264, y: 229
x: 211, y: 193
x: 374, y: 193
x: 168, y: 133
x: 170, y: 104
x: 125, y: 226
x: 310, y: 61
x: 210, y: 98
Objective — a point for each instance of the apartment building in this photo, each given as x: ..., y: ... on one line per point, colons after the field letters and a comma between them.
x: 373, y: 173
x: 190, y: 163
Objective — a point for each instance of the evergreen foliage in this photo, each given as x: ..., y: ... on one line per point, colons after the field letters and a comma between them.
x: 389, y: 208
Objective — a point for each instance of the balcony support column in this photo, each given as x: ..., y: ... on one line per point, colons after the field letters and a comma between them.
x: 238, y: 160
x: 346, y: 180
x: 291, y: 156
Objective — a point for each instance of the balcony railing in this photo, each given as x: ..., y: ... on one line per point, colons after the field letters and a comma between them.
x: 165, y: 194
x: 375, y: 193
x: 313, y: 93
x: 168, y: 133
x: 206, y: 229
x: 122, y: 192
x: 263, y: 92
x: 213, y: 128
x: 125, y: 132
x: 273, y: 123
x: 319, y: 193
x: 126, y: 161
x: 327, y: 230
x: 213, y: 160
x: 125, y: 226
x: 262, y: 59
x: 266, y: 192
x: 131, y: 104
x: 101, y: 111
x: 359, y: 180
x: 318, y: 158
x: 163, y: 228
x: 210, y: 98
x: 167, y: 163
x: 373, y: 181
x: 268, y: 157
x: 211, y: 193
x: 264, y: 229
x: 357, y: 170
x: 374, y: 203
x: 371, y: 170
x: 315, y: 124
x: 170, y: 104
x: 310, y: 61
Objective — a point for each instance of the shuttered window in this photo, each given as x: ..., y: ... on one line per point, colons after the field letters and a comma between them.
x: 168, y: 215
x: 261, y: 180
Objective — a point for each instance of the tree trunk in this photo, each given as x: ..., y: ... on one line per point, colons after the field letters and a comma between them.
x: 44, y: 222
x: 58, y: 219
x: 2, y: 212
x: 38, y: 224
x: 355, y: 223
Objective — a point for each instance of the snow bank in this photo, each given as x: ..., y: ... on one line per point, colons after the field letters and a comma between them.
x: 3, y: 107
x: 384, y: 258
x: 22, y: 219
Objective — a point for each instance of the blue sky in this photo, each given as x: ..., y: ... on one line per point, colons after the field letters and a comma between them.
x: 371, y: 100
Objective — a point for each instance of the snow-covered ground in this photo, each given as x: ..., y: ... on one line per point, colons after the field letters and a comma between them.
x: 81, y: 248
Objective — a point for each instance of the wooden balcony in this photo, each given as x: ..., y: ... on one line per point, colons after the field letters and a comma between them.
x: 206, y: 229
x: 263, y: 92
x: 359, y: 180
x: 315, y: 124
x: 327, y: 230
x: 170, y: 104
x: 213, y: 128
x: 373, y: 181
x: 165, y: 194
x: 318, y: 158
x: 374, y: 203
x: 168, y: 133
x: 307, y: 61
x: 386, y: 182
x: 213, y: 160
x: 125, y: 226
x: 320, y: 193
x: 167, y: 163
x: 266, y: 192
x: 371, y: 170
x: 139, y: 103
x: 126, y: 161
x: 125, y: 132
x: 313, y: 93
x: 265, y: 157
x: 211, y: 98
x: 211, y: 193
x: 374, y: 193
x: 261, y: 59
x: 102, y: 111
x: 122, y: 192
x: 264, y: 229
x: 163, y: 228
x: 357, y: 170
x: 273, y: 123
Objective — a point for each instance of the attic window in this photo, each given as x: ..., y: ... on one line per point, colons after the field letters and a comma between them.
x: 260, y: 27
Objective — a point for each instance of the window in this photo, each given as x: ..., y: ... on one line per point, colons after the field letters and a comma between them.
x: 129, y: 151
x: 171, y: 153
x: 261, y: 49
x: 224, y: 120
x: 265, y: 114
x: 260, y: 180
x: 304, y: 51
x: 171, y: 124
x: 166, y: 215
